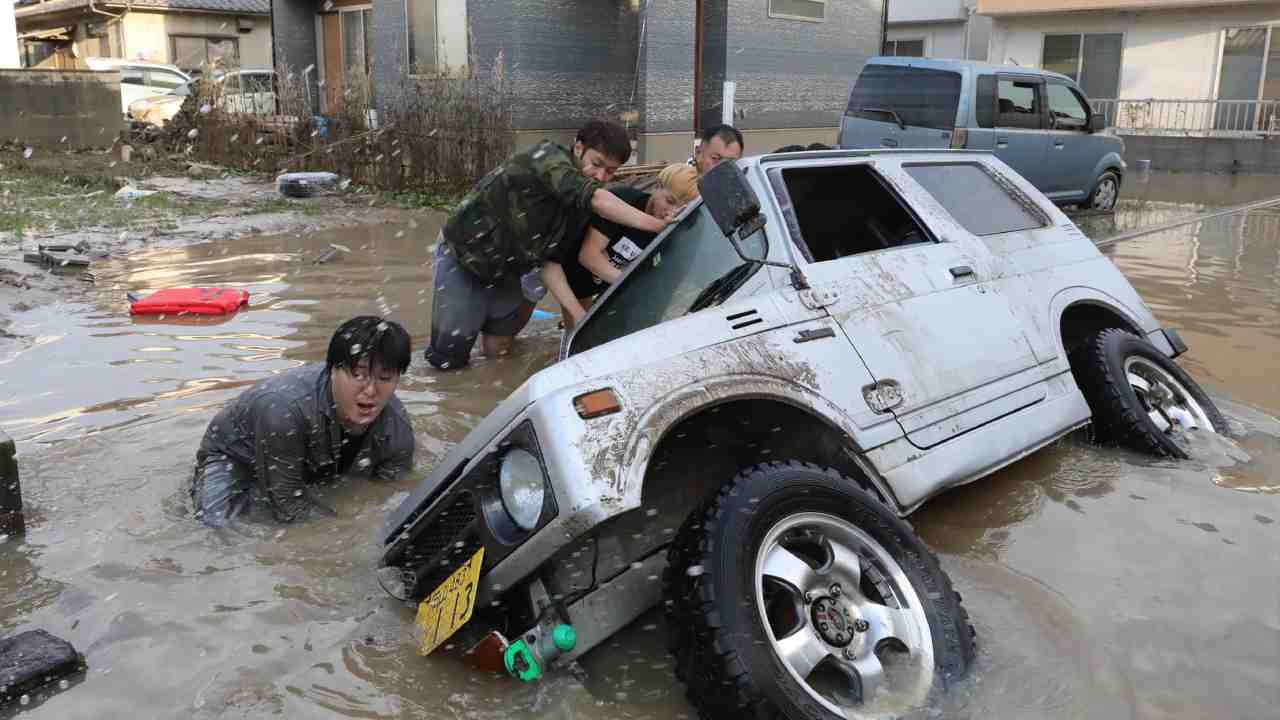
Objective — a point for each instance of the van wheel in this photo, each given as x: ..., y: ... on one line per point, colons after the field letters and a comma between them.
x: 1105, y: 192
x: 794, y: 593
x: 1139, y: 397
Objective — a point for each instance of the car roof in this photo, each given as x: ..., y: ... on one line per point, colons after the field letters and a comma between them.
x: 118, y: 62
x: 973, y: 65
x: 836, y: 154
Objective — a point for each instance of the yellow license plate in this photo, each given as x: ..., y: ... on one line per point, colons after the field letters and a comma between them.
x: 449, y: 606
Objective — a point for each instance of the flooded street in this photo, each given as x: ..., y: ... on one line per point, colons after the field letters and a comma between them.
x: 1102, y: 583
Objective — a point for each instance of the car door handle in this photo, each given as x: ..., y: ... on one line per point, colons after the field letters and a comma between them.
x: 961, y: 271
x: 888, y: 142
x: 1002, y: 142
x: 1059, y: 144
x: 805, y: 336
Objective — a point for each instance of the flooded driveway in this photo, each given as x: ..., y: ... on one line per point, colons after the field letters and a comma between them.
x: 1102, y: 583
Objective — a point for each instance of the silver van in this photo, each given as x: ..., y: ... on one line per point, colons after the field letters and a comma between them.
x: 1039, y: 123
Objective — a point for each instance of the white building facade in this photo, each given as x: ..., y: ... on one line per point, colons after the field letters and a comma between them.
x: 936, y: 29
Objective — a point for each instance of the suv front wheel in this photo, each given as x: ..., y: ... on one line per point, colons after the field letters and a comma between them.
x: 794, y: 593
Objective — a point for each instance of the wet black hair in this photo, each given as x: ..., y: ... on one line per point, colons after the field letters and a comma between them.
x: 384, y: 342
x: 790, y: 148
x: 727, y: 134
x: 819, y: 146
x: 606, y: 137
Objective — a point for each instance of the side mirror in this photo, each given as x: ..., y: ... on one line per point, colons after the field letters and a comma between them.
x: 1097, y: 122
x: 729, y: 197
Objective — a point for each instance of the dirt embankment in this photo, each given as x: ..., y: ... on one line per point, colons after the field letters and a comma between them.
x: 108, y: 207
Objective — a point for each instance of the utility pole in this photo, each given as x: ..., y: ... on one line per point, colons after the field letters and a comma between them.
x: 8, y: 36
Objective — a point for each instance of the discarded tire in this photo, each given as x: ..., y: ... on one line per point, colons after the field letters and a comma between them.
x: 792, y: 590
x: 1139, y: 397
x: 305, y: 184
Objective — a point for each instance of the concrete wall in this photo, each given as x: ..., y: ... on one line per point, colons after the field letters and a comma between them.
x: 146, y: 35
x: 1182, y: 154
x: 43, y: 106
x: 1167, y: 54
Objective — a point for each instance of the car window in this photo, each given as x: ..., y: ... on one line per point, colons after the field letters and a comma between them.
x: 131, y: 75
x: 842, y: 210
x: 1066, y: 108
x: 918, y: 96
x: 692, y: 267
x: 974, y: 198
x: 1019, y: 103
x: 165, y: 79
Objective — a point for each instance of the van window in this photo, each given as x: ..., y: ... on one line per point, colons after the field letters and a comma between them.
x: 975, y: 199
x: 986, y: 102
x: 1066, y: 108
x: 1020, y: 104
x: 921, y: 97
x: 846, y: 210
x: 131, y: 75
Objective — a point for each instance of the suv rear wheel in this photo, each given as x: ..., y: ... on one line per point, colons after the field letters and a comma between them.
x: 1139, y: 397
x: 793, y: 593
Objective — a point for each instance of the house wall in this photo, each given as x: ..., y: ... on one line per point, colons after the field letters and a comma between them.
x: 146, y: 35
x: 8, y: 36
x: 901, y: 11
x: 1167, y: 54
x: 44, y: 106
x: 941, y: 40
x: 793, y: 73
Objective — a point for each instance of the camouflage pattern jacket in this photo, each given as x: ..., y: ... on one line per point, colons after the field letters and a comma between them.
x: 517, y: 215
x: 286, y: 430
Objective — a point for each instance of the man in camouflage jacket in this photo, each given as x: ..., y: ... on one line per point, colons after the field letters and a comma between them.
x: 508, y: 226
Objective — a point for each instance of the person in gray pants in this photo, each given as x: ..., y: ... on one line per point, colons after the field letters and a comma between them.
x: 309, y: 424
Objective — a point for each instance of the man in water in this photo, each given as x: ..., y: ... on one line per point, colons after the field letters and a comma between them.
x: 719, y: 143
x: 581, y: 270
x: 309, y: 424
x: 486, y: 271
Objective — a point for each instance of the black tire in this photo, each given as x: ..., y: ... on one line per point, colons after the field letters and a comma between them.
x: 1101, y: 198
x: 724, y: 651
x: 298, y: 189
x: 1119, y: 414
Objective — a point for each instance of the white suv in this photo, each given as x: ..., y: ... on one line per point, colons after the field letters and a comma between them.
x: 140, y: 79
x: 821, y: 344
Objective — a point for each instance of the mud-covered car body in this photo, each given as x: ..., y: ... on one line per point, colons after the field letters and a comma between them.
x: 918, y: 340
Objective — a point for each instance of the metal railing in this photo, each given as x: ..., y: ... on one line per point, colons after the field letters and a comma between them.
x: 1192, y: 118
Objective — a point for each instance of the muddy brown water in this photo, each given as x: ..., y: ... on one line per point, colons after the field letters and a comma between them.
x: 1102, y: 584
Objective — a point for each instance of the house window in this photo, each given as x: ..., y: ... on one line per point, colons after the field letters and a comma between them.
x: 904, y: 48
x: 189, y: 52
x: 1249, y: 70
x: 356, y: 45
x: 1091, y: 59
x: 423, y: 35
x: 811, y: 10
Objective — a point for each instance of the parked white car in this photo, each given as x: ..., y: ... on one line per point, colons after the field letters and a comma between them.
x: 238, y: 91
x: 818, y: 346
x: 140, y: 79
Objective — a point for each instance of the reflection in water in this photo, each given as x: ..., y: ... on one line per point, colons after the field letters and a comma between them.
x: 1094, y: 586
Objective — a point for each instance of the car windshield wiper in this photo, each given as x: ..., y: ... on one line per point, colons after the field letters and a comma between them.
x: 721, y: 287
x: 886, y: 111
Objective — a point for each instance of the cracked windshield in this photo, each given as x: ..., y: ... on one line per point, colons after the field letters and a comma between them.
x: 934, y: 384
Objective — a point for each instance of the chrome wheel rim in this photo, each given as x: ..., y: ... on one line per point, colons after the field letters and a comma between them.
x: 1167, y: 403
x: 1105, y: 196
x: 841, y: 615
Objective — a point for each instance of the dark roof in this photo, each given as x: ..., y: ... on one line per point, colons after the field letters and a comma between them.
x: 237, y: 7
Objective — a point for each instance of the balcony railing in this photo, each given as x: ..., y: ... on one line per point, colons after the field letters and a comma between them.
x: 1192, y: 118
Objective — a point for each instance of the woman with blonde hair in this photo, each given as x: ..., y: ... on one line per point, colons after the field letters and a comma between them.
x: 583, y: 270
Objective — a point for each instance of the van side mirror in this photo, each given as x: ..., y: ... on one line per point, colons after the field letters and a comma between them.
x: 1097, y: 122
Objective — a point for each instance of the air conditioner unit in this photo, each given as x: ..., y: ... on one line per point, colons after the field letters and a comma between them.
x: 244, y: 24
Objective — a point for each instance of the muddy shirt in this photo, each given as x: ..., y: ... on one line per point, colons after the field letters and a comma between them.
x: 517, y: 215
x: 285, y: 429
